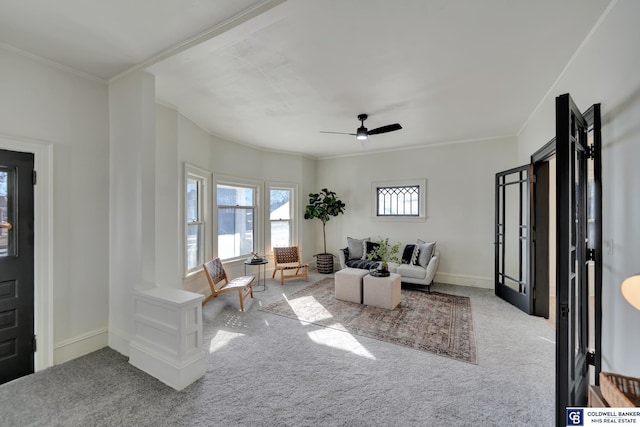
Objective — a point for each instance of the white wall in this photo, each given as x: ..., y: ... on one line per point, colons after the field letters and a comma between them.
x: 47, y: 105
x: 607, y: 70
x: 169, y: 202
x: 132, y: 194
x: 460, y: 202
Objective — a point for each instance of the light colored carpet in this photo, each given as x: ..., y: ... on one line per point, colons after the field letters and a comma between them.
x: 267, y: 370
x: 434, y: 322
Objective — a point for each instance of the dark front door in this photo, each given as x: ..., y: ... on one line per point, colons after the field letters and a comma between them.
x: 16, y: 265
x: 578, y: 250
x: 512, y: 237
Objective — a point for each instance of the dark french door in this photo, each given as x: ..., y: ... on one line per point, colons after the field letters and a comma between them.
x: 16, y: 265
x: 578, y: 252
x: 512, y: 233
x: 532, y: 222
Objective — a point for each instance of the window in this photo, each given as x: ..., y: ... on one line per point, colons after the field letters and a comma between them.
x: 280, y: 216
x: 195, y: 214
x: 399, y: 200
x: 236, y: 219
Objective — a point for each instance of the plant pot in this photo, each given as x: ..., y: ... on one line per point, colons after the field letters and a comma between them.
x: 324, y: 263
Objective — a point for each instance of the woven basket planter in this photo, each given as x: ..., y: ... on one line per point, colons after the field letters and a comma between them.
x: 324, y: 263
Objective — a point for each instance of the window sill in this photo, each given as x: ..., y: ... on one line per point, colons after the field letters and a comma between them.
x: 399, y: 218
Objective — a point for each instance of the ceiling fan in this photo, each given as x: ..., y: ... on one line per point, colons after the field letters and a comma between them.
x: 362, y: 133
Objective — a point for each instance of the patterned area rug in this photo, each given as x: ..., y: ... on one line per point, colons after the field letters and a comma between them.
x: 438, y: 323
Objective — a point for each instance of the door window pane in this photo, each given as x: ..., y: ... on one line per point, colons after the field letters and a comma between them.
x: 6, y: 217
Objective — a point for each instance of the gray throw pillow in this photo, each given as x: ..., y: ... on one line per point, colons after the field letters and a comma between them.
x: 425, y: 252
x: 356, y: 247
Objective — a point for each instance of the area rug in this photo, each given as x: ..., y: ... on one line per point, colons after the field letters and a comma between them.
x: 435, y: 322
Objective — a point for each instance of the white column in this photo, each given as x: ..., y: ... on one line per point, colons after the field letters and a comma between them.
x: 168, y: 336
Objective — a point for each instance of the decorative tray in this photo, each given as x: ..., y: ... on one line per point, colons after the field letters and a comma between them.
x: 379, y: 273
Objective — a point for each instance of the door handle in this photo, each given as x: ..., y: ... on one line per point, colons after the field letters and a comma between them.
x: 5, y: 225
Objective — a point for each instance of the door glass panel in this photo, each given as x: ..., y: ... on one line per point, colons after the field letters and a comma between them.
x: 512, y: 236
x: 7, y: 223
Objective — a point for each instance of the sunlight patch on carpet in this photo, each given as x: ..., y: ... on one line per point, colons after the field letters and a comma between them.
x: 221, y: 339
x: 309, y: 309
x: 340, y: 340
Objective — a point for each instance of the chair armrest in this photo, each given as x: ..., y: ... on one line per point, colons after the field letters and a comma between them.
x: 432, y: 267
x: 342, y: 257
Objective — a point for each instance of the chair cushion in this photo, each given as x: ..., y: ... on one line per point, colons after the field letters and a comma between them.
x: 240, y: 282
x: 413, y: 271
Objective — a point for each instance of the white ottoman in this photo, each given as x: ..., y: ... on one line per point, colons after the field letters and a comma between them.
x: 349, y: 284
x: 382, y: 292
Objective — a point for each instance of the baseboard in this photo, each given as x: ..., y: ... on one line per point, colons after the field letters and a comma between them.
x: 79, y: 346
x: 175, y: 375
x: 196, y: 283
x: 464, y: 280
x: 119, y: 342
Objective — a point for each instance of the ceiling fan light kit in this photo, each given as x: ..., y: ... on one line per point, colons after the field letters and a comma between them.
x: 362, y: 133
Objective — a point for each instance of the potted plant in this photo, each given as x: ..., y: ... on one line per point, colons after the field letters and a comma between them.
x: 384, y: 252
x: 324, y: 205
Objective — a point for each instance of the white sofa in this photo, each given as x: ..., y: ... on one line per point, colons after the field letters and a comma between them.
x: 409, y: 273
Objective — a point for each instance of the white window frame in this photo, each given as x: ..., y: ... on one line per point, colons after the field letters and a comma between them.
x: 293, y: 206
x: 258, y: 225
x: 203, y: 178
x: 421, y: 183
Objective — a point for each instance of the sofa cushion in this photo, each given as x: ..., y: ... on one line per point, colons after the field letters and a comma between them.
x: 393, y: 267
x: 413, y: 271
x: 409, y: 254
x: 356, y: 247
x: 362, y: 263
x: 371, y: 246
x: 425, y: 252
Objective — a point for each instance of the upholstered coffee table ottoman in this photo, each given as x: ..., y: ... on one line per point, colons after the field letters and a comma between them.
x: 349, y: 284
x: 382, y: 292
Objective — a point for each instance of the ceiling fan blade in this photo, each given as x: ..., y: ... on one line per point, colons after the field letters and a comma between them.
x: 339, y: 133
x: 365, y: 143
x: 385, y: 129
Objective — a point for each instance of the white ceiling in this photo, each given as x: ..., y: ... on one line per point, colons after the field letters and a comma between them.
x: 274, y: 73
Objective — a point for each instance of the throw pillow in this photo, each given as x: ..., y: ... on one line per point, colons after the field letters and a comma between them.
x: 425, y: 252
x: 371, y: 246
x: 356, y: 247
x: 409, y: 254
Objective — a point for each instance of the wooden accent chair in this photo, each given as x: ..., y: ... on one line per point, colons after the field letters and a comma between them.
x: 287, y: 259
x: 215, y: 275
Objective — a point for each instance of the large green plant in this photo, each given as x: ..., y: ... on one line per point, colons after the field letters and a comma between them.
x: 324, y: 205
